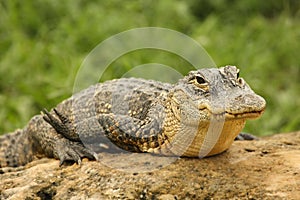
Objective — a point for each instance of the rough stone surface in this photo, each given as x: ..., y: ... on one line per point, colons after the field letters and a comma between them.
x: 265, y: 169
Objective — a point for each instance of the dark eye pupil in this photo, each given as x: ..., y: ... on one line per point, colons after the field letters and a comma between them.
x: 200, y: 80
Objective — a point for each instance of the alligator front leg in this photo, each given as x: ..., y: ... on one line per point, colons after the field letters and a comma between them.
x: 123, y: 131
x: 132, y: 134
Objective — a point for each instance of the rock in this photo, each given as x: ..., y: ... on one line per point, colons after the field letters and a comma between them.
x: 167, y: 197
x: 265, y: 169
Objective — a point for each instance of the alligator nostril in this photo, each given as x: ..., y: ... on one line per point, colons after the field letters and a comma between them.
x: 240, y: 81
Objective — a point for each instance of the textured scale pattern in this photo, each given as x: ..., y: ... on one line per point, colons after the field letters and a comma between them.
x: 141, y: 116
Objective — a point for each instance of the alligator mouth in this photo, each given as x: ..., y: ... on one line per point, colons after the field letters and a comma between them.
x: 231, y: 116
x: 244, y: 115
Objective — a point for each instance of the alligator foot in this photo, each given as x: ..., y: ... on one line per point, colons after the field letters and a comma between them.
x: 246, y: 136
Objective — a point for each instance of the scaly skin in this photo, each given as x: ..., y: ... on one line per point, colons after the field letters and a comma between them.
x: 199, y: 116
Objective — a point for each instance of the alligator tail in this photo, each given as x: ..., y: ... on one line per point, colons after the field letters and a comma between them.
x: 15, y: 149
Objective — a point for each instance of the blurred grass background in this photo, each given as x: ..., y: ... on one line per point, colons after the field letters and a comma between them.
x: 43, y: 43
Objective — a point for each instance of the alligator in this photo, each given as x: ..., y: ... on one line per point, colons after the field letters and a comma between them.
x: 199, y: 116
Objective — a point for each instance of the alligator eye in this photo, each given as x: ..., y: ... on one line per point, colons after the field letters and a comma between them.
x: 200, y: 80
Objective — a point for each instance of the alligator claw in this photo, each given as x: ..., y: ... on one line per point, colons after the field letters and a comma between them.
x: 73, y: 151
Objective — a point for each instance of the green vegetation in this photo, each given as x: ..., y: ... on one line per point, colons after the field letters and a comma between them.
x: 43, y: 43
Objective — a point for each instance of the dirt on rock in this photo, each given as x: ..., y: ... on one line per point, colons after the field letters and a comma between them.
x: 265, y: 169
